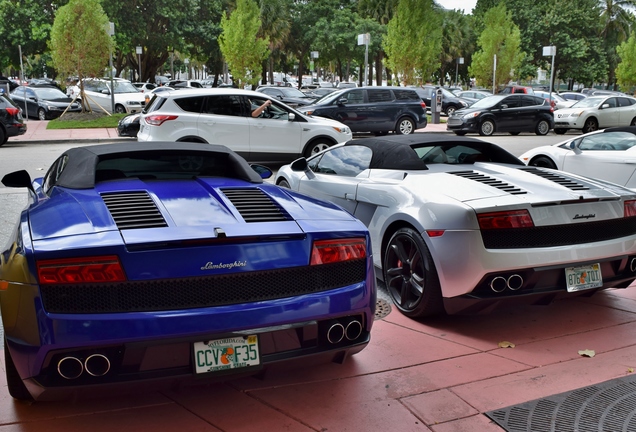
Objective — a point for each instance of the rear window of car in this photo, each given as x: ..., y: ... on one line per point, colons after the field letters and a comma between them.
x: 406, y: 95
x: 190, y: 104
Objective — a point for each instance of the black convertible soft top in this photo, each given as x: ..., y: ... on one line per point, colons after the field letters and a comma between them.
x: 397, y: 151
x: 80, y: 168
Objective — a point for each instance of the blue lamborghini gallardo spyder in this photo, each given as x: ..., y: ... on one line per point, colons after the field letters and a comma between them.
x: 169, y: 262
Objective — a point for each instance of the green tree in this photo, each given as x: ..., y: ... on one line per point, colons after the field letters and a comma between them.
x: 626, y: 69
x: 616, y: 21
x: 501, y: 37
x: 79, y: 41
x: 458, y: 41
x: 275, y: 27
x: 243, y: 50
x: 413, y: 40
x: 381, y: 11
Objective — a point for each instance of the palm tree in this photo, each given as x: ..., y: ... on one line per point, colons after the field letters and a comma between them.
x: 382, y: 11
x: 617, y: 20
x: 275, y: 25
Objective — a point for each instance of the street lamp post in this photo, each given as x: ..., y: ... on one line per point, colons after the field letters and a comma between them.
x: 140, y: 50
x: 550, y: 51
x: 186, y: 62
x: 111, y: 33
x: 313, y: 55
x: 459, y: 61
x: 364, y: 39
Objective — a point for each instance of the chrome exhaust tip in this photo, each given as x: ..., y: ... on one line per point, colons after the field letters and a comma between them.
x: 70, y: 368
x: 498, y: 284
x: 335, y: 333
x: 353, y: 330
x: 514, y: 282
x: 97, y: 365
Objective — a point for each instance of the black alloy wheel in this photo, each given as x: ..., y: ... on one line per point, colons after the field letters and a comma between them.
x: 410, y: 275
x: 590, y: 125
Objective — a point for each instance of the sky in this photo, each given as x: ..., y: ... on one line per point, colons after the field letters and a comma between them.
x: 466, y: 5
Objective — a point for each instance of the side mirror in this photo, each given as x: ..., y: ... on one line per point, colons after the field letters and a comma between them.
x: 299, y: 165
x: 342, y: 101
x: 18, y: 179
x: 106, y: 92
x: 262, y: 171
x: 291, y: 116
x: 605, y: 105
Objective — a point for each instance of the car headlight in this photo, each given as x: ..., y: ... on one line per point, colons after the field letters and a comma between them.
x: 51, y: 107
x: 471, y: 115
x: 464, y: 104
x: 344, y: 130
x: 133, y: 103
x: 577, y: 114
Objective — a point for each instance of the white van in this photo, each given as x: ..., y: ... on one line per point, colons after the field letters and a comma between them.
x: 279, y: 134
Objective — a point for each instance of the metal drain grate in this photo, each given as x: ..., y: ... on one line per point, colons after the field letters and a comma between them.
x: 382, y: 308
x: 609, y: 406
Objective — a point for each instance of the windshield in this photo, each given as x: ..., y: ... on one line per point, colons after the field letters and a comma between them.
x: 327, y: 99
x: 488, y: 101
x: 124, y: 87
x: 588, y: 102
x: 49, y: 93
x: 292, y: 92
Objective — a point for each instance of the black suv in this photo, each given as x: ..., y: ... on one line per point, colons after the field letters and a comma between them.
x: 373, y: 109
x: 11, y: 122
x: 450, y: 102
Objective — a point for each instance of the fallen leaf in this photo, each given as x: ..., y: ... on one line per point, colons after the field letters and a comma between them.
x: 587, y: 353
x: 630, y: 370
x: 506, y: 344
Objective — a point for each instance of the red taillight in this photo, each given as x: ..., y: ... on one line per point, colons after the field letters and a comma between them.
x: 159, y: 119
x: 80, y: 270
x: 505, y: 219
x: 423, y: 104
x: 12, y: 111
x: 333, y: 251
x: 630, y: 208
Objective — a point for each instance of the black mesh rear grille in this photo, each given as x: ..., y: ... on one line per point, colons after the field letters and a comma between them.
x: 254, y: 205
x: 198, y: 292
x: 490, y: 181
x: 556, y: 177
x: 133, y: 210
x: 559, y: 235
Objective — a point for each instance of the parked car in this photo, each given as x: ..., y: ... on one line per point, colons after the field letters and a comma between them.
x: 555, y: 100
x: 346, y: 84
x: 373, y: 109
x: 517, y: 89
x: 450, y: 102
x: 472, y: 96
x: 575, y: 96
x: 224, y: 116
x: 596, y: 112
x: 459, y: 225
x: 289, y: 95
x: 144, y: 87
x: 319, y: 92
x: 513, y: 113
x: 129, y: 125
x: 174, y: 262
x: 11, y: 121
x: 127, y: 98
x: 608, y: 154
x: 43, y: 102
x: 178, y: 84
x: 161, y: 80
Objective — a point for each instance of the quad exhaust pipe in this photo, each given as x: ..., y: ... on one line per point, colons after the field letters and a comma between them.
x: 72, y: 368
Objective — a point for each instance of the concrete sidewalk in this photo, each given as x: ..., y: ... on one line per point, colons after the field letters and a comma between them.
x: 38, y: 133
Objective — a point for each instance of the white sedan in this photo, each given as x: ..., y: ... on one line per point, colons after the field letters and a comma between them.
x: 596, y: 112
x: 609, y: 154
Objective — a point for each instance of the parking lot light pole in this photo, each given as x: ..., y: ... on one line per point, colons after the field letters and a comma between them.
x: 111, y: 33
x: 140, y: 50
x: 459, y: 61
x: 550, y: 51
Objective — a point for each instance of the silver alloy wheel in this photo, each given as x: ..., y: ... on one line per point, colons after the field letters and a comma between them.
x: 543, y: 127
x: 405, y: 126
x: 487, y: 128
x: 42, y: 114
x: 450, y: 111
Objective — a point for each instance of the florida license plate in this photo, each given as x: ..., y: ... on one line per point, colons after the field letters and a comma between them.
x: 583, y: 277
x: 228, y: 353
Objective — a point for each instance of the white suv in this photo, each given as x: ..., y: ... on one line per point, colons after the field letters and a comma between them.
x: 128, y: 99
x: 224, y: 116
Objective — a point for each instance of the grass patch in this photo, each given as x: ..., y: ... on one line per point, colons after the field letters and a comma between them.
x: 86, y: 121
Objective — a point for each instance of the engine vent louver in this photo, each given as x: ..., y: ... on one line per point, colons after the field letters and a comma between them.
x: 132, y: 210
x: 255, y: 206
x: 490, y: 181
x: 557, y: 178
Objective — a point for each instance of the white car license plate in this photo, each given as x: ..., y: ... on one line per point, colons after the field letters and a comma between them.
x: 583, y: 277
x: 228, y: 353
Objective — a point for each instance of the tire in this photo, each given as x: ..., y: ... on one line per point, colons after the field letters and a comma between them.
x: 543, y: 162
x: 514, y: 133
x: 590, y: 125
x: 119, y: 109
x: 410, y: 275
x: 41, y: 114
x: 405, y: 126
x: 3, y: 137
x: 316, y: 147
x: 487, y: 128
x: 560, y: 131
x: 543, y: 127
x: 283, y: 183
x: 16, y: 387
x: 450, y: 110
x: 633, y: 123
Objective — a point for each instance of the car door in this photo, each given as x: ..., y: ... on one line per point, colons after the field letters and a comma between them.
x: 627, y: 111
x: 354, y: 111
x: 531, y: 111
x: 508, y: 116
x: 222, y: 120
x: 382, y: 110
x: 605, y: 155
x: 24, y: 98
x: 609, y: 113
x: 272, y: 135
x: 336, y: 175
